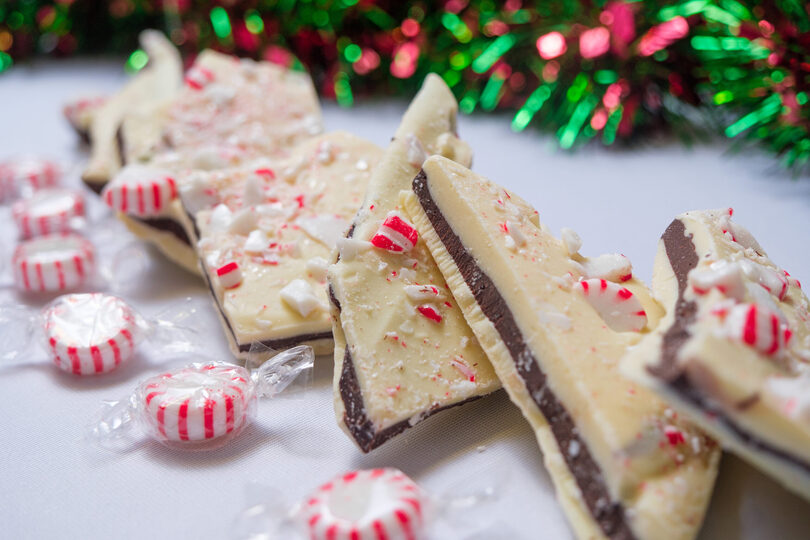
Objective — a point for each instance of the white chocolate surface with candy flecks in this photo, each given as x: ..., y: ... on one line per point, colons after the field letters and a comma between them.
x: 660, y: 469
x: 746, y: 352
x: 230, y: 111
x: 406, y: 364
x: 278, y: 221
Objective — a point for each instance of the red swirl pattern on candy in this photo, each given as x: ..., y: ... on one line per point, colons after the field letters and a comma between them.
x: 396, y: 234
x: 56, y: 262
x: 48, y: 211
x: 365, y: 505
x: 198, y: 403
x: 90, y: 334
x: 617, y: 306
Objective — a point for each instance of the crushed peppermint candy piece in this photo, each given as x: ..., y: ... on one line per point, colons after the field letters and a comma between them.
x: 618, y: 307
x: 416, y: 151
x: 197, y: 77
x: 230, y: 275
x: 396, y: 234
x: 422, y: 293
x: 318, y: 268
x: 612, y: 267
x: 571, y: 241
x: 459, y: 363
x: 325, y: 228
x: 298, y: 294
x: 757, y: 327
x: 721, y: 275
x: 431, y: 312
x: 256, y: 242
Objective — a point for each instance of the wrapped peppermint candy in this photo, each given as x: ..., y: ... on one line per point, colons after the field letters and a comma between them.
x: 24, y: 175
x: 201, y: 406
x: 54, y: 262
x: 91, y: 334
x: 367, y: 505
x: 48, y: 211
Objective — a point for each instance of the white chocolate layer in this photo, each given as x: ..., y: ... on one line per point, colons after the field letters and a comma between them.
x: 659, y: 469
x: 406, y: 364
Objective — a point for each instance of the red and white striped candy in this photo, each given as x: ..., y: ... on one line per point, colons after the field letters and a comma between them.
x: 48, y: 211
x: 612, y: 267
x: 197, y: 403
x: 55, y: 262
x: 365, y: 505
x: 140, y: 191
x: 617, y: 306
x: 90, y: 334
x: 431, y: 312
x: 229, y: 275
x: 757, y: 327
x: 21, y: 175
x: 197, y: 77
x: 395, y: 234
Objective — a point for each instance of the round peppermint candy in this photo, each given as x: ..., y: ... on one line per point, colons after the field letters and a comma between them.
x: 140, y: 191
x: 89, y: 334
x: 26, y: 174
x: 48, y: 211
x: 56, y: 262
x: 197, y: 404
x: 366, y: 505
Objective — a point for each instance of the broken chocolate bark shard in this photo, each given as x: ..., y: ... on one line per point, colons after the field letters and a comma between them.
x: 277, y: 221
x: 555, y: 332
x: 390, y: 302
x: 697, y: 343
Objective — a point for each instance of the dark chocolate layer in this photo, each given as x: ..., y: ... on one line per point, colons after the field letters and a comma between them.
x: 165, y: 224
x: 608, y: 514
x: 683, y: 258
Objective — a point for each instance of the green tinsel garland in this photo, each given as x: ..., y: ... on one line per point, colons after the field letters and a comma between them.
x: 607, y: 71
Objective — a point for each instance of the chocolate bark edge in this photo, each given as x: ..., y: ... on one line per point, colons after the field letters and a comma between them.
x: 277, y: 344
x: 683, y: 258
x: 608, y: 514
x: 357, y: 421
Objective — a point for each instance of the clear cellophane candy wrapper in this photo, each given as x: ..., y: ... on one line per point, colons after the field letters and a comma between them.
x: 372, y: 504
x: 103, y: 257
x: 91, y: 333
x: 201, y: 406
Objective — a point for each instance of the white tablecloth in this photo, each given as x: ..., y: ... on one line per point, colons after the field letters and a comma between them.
x: 53, y: 484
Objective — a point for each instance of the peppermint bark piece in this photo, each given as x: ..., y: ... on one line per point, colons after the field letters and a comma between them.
x: 733, y: 351
x: 554, y: 325
x: 265, y: 232
x: 157, y: 82
x: 402, y: 348
x: 229, y: 112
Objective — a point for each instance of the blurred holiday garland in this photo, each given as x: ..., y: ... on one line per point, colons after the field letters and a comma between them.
x: 584, y: 70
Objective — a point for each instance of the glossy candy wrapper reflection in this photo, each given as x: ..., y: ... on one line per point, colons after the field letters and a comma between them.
x: 91, y: 334
x: 201, y: 406
x: 369, y: 505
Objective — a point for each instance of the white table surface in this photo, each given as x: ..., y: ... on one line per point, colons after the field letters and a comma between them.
x: 53, y: 484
